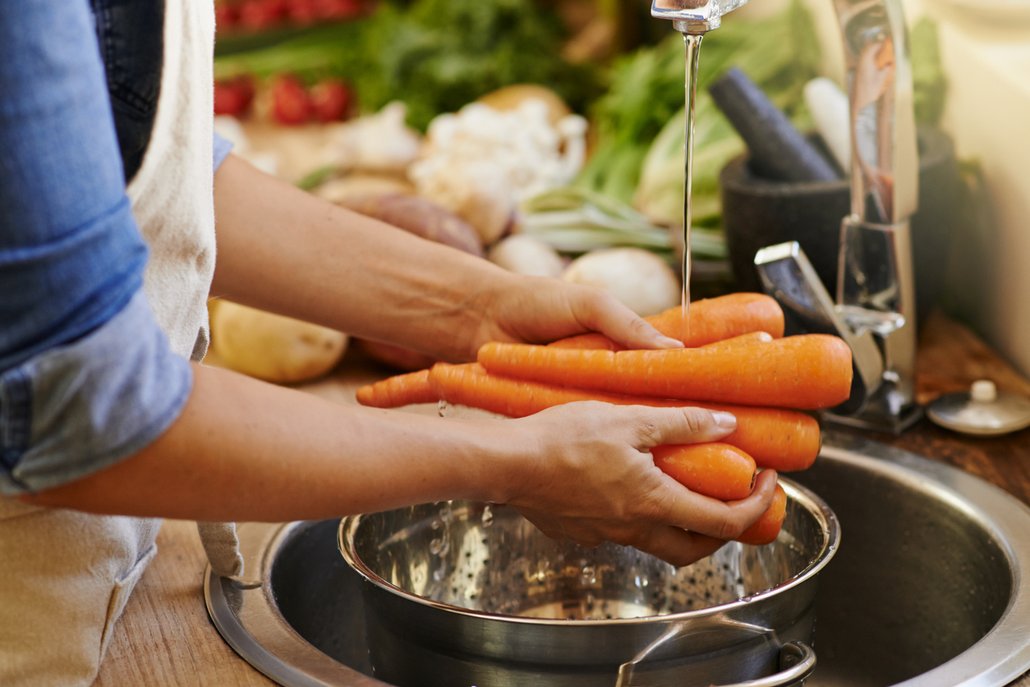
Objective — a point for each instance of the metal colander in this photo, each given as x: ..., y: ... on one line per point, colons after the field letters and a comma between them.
x: 470, y: 579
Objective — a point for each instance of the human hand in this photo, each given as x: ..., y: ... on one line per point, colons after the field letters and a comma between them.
x: 541, y: 310
x: 590, y: 477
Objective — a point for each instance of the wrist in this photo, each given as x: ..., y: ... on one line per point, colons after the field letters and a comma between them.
x: 499, y: 460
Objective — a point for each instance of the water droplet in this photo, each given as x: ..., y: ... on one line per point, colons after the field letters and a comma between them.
x: 442, y: 408
x: 438, y: 546
x: 488, y: 516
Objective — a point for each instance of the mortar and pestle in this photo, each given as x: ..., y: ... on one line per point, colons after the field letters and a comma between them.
x: 786, y: 188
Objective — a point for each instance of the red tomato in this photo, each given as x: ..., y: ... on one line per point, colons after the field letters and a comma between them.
x: 339, y: 9
x: 233, y: 96
x: 226, y: 16
x: 290, y: 103
x: 257, y: 15
x: 303, y: 12
x: 330, y: 100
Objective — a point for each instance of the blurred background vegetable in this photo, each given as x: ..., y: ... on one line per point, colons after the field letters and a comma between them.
x: 435, y: 55
x: 640, y: 123
x: 500, y: 81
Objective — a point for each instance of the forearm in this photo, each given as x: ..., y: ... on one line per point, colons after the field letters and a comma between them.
x: 287, y: 251
x: 246, y: 450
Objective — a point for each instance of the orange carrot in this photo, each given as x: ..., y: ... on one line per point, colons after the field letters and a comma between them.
x: 405, y: 389
x: 767, y: 527
x: 710, y: 319
x: 399, y: 390
x: 748, y: 339
x: 712, y: 469
x: 733, y: 318
x: 807, y: 371
x: 777, y: 438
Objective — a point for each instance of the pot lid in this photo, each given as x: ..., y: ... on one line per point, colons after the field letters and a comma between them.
x: 981, y: 411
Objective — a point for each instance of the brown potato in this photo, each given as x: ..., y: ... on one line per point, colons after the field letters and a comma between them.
x: 418, y: 216
x: 272, y: 347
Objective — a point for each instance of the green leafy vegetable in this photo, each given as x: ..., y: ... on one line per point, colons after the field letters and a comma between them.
x: 642, y: 160
x: 576, y: 220
x: 435, y: 55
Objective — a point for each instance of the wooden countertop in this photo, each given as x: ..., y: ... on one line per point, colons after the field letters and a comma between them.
x: 166, y: 638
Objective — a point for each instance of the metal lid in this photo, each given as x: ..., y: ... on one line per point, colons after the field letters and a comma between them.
x: 981, y: 411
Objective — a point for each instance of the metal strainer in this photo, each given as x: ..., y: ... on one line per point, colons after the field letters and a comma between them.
x: 468, y: 587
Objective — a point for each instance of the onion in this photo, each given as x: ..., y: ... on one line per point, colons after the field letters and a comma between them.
x: 641, y: 280
x: 523, y: 254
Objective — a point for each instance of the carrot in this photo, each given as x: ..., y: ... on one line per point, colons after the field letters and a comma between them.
x: 782, y: 439
x: 709, y: 319
x: 399, y: 390
x: 807, y: 371
x: 748, y: 339
x: 768, y: 526
x: 733, y: 318
x: 404, y: 389
x: 712, y: 469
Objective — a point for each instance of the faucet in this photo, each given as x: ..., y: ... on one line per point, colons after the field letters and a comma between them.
x: 874, y: 309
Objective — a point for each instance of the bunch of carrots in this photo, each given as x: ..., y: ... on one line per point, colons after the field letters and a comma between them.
x: 735, y: 359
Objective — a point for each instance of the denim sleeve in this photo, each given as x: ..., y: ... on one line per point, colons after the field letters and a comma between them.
x: 71, y: 264
x: 222, y: 149
x: 76, y: 409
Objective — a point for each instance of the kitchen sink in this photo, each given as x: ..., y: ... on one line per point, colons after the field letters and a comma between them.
x: 929, y: 587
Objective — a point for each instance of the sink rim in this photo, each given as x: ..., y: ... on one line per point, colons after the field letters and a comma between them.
x: 998, y: 513
x: 248, y: 619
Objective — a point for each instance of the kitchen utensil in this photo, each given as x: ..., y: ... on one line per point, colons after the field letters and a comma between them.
x: 981, y: 411
x: 468, y: 593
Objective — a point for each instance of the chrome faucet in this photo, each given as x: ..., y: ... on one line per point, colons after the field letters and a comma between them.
x: 694, y: 17
x: 874, y: 309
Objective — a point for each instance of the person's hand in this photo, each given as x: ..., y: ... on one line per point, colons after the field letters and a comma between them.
x: 588, y: 476
x: 541, y: 310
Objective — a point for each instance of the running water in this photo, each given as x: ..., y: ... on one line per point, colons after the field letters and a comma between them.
x: 693, y: 52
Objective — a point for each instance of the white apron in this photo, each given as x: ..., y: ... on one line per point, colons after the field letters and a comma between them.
x: 65, y: 576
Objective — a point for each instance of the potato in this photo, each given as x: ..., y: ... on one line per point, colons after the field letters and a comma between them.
x: 418, y: 216
x: 272, y: 347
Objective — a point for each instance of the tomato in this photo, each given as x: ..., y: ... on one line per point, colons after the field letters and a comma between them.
x: 339, y: 9
x: 257, y: 15
x: 226, y: 16
x: 330, y: 100
x: 304, y: 12
x: 290, y: 104
x: 234, y: 96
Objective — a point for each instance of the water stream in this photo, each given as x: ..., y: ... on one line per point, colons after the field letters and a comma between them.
x: 693, y: 53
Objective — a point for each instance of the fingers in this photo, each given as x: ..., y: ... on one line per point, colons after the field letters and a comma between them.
x: 707, y: 524
x: 672, y: 544
x: 676, y: 546
x: 603, y: 313
x: 703, y: 515
x: 663, y: 426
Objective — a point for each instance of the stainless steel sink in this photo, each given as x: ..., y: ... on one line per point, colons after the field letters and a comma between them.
x: 930, y: 587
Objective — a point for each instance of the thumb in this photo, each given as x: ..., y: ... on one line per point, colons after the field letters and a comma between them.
x: 620, y: 324
x: 685, y: 425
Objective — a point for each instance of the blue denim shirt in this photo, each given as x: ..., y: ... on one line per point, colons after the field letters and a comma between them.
x: 86, y: 374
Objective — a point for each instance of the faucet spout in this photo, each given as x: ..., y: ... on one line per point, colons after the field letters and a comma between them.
x: 694, y: 17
